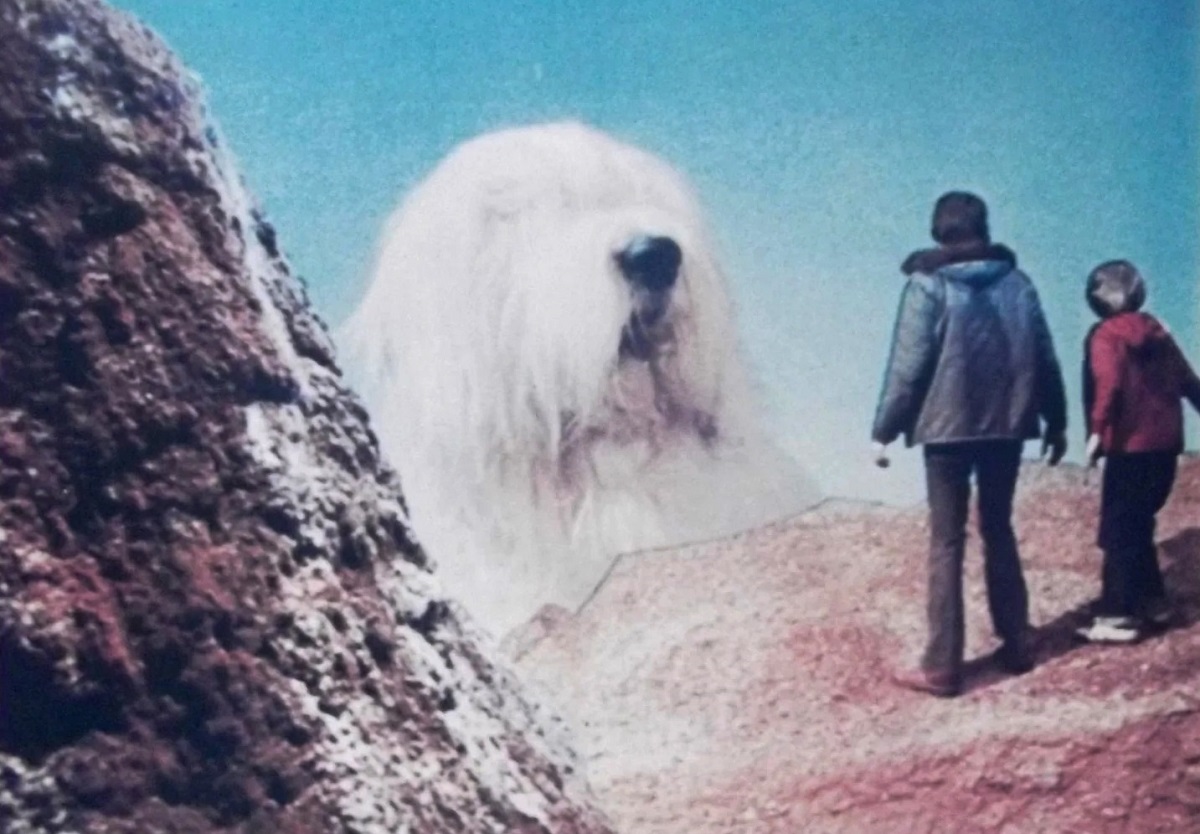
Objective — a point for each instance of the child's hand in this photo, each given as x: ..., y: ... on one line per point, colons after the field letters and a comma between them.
x: 1093, y: 449
x: 881, y: 456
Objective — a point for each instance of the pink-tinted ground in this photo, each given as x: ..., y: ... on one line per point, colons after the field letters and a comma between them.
x: 743, y: 685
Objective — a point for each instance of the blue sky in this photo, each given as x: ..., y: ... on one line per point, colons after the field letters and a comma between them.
x: 817, y: 133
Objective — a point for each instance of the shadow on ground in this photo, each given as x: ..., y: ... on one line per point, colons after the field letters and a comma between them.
x: 1180, y: 560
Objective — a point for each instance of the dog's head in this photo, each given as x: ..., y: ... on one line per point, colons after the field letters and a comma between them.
x: 545, y: 288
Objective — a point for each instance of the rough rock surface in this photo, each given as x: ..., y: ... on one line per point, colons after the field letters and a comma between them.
x: 743, y: 685
x: 211, y: 614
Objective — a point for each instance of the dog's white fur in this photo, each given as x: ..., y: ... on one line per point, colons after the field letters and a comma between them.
x: 530, y: 453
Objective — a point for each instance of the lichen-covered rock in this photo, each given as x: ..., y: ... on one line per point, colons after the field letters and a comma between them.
x: 211, y: 613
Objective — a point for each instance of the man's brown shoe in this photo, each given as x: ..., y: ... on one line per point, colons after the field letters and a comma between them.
x: 941, y: 684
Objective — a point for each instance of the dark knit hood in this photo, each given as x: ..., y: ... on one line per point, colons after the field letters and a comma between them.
x: 929, y: 261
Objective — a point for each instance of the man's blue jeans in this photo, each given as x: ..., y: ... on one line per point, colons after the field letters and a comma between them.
x: 948, y: 471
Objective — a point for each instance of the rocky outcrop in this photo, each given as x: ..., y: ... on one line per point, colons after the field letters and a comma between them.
x: 743, y: 685
x: 211, y: 613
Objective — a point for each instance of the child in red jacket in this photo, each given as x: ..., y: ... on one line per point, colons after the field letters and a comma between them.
x: 1135, y: 377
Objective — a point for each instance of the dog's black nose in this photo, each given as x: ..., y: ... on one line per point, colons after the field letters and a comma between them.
x: 651, y: 263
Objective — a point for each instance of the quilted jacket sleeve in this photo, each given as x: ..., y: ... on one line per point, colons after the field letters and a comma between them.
x: 912, y: 361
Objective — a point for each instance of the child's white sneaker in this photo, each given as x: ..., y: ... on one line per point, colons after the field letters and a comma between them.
x: 1110, y: 630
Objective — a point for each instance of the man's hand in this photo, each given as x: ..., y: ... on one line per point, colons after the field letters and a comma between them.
x: 880, y: 455
x: 1056, y: 445
x: 1093, y: 449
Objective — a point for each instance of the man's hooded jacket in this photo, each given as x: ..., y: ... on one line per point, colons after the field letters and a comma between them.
x: 972, y: 357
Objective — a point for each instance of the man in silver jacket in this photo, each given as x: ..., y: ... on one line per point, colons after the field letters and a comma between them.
x: 972, y: 375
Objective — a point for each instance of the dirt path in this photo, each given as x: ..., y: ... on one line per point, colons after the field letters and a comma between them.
x: 742, y: 686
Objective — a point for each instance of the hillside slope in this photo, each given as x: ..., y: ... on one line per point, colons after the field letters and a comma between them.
x: 742, y: 685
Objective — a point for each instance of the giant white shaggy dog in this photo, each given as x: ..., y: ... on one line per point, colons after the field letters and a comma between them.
x: 551, y: 361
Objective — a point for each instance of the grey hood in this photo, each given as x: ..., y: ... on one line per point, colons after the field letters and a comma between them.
x: 977, y: 275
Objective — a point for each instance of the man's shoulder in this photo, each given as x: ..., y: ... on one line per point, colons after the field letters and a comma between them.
x: 1020, y: 277
x: 1018, y: 282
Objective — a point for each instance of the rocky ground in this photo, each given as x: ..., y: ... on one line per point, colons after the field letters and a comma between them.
x: 742, y: 685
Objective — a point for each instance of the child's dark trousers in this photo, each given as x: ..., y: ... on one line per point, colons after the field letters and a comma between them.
x: 1136, y: 487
